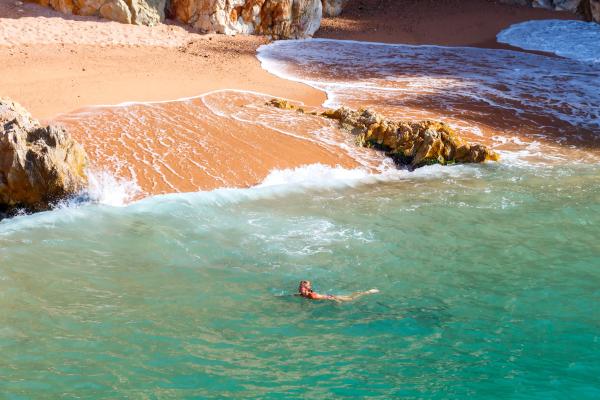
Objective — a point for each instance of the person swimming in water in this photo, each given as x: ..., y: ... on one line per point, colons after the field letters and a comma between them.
x: 305, y: 290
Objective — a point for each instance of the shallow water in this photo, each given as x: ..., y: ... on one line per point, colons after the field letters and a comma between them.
x: 507, y: 99
x: 488, y: 273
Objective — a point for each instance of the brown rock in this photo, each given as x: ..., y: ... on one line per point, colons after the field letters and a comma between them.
x: 276, y: 18
x: 39, y: 166
x: 407, y: 142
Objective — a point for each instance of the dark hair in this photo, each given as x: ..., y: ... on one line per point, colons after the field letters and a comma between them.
x: 302, y: 285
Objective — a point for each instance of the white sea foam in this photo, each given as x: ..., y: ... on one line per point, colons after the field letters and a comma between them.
x: 471, y: 89
x: 577, y: 40
x: 314, y: 175
x: 111, y: 196
x: 104, y: 188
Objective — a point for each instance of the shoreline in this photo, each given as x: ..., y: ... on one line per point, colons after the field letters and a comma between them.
x: 54, y: 79
x: 167, y: 146
x: 76, y: 76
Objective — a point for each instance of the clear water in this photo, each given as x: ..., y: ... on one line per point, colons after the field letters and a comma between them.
x: 489, y: 286
x: 489, y: 274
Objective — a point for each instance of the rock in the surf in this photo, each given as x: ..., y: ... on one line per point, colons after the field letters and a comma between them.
x: 333, y: 8
x: 408, y: 143
x: 39, y: 166
x: 412, y: 143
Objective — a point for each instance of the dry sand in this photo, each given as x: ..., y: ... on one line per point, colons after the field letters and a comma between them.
x: 100, y: 62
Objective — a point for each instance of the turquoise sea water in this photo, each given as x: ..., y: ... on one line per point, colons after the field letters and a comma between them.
x: 488, y: 274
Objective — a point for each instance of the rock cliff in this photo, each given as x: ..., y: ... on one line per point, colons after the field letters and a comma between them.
x: 408, y: 143
x: 277, y: 18
x: 589, y: 9
x: 39, y: 166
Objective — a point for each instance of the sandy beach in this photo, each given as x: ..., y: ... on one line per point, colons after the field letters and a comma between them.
x: 473, y: 23
x: 46, y: 71
x: 55, y: 64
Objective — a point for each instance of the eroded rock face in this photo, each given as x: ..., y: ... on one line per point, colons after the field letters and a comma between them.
x: 277, y: 18
x: 281, y: 19
x: 408, y: 143
x: 589, y: 9
x: 139, y: 12
x: 39, y: 166
x: 333, y: 8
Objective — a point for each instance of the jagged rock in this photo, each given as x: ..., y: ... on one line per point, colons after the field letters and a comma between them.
x: 408, y: 143
x: 116, y: 10
x: 281, y: 19
x: 147, y: 12
x: 277, y: 18
x: 139, y: 12
x: 38, y: 165
x: 589, y: 9
x: 411, y: 143
x: 333, y: 8
x: 281, y: 103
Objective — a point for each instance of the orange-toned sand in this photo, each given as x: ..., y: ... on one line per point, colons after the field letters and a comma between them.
x: 221, y: 139
x: 54, y: 64
x: 104, y: 62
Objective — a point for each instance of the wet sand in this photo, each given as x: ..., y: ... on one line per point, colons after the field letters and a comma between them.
x: 55, y: 64
x: 472, y: 23
x: 50, y: 79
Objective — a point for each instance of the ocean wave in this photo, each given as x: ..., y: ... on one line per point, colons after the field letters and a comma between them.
x: 481, y: 92
x: 577, y: 40
x: 108, y: 195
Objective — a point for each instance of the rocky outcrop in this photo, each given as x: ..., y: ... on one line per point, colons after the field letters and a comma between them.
x: 281, y: 19
x: 39, y: 166
x: 333, y: 8
x: 276, y: 18
x: 408, y: 143
x: 589, y: 9
x: 139, y: 12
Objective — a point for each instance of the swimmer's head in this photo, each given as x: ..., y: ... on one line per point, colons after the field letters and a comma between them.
x: 304, y: 288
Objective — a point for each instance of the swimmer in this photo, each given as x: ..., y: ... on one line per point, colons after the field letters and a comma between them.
x: 305, y: 290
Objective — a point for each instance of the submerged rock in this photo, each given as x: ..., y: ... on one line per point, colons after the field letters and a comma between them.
x: 408, y: 143
x: 39, y: 166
